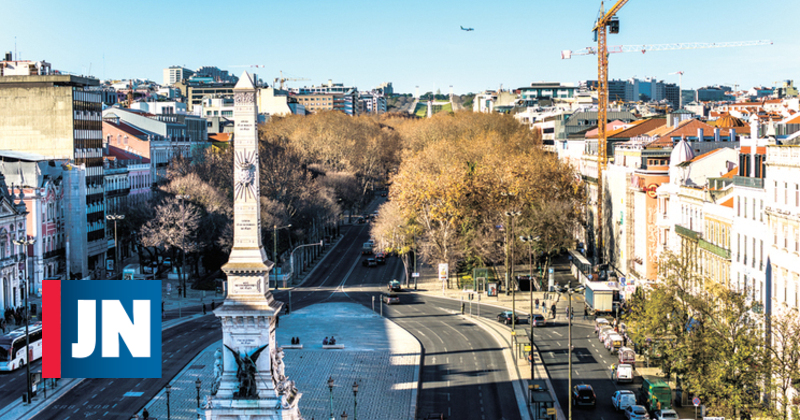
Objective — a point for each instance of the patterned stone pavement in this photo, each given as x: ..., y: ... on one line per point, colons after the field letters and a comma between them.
x: 382, y: 357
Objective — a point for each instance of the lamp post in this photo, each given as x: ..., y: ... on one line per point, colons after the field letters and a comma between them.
x: 355, y: 400
x: 183, y: 197
x: 529, y: 240
x: 116, y: 217
x: 330, y: 387
x: 291, y: 255
x: 197, y: 385
x: 24, y: 243
x: 275, y: 249
x: 168, y: 388
x: 344, y: 415
x: 569, y: 292
x: 510, y: 267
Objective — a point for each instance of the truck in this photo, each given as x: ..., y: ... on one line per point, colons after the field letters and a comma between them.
x: 600, y: 296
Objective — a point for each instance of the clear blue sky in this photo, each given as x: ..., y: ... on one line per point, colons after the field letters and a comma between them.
x: 410, y: 43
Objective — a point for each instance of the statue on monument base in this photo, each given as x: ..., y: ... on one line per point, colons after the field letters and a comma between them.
x: 246, y: 373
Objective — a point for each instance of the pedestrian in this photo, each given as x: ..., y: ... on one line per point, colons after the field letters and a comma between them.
x: 537, y: 304
x: 566, y: 314
x: 325, y: 341
x: 204, y: 309
x: 586, y: 312
x: 212, y: 304
x: 625, y: 340
x: 145, y: 414
x: 553, y: 310
x: 297, y: 339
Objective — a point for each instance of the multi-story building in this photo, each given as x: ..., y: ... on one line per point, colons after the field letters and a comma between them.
x: 216, y: 106
x: 538, y: 91
x: 155, y: 137
x: 13, y: 265
x: 58, y: 116
x: 372, y: 102
x: 273, y: 101
x: 215, y: 74
x: 318, y: 102
x: 340, y: 97
x: 160, y: 107
x: 175, y: 74
x: 195, y: 91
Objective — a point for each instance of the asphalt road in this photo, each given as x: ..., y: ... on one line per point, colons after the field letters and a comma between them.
x: 464, y: 374
x: 591, y: 364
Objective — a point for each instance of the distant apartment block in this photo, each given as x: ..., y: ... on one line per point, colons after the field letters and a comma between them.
x: 329, y: 96
x: 175, y: 74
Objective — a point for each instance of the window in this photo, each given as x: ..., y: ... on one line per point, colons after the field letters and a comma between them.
x: 761, y: 208
x: 797, y: 195
x: 745, y: 207
x: 785, y: 193
x: 754, y: 252
x: 761, y: 255
x: 738, y: 245
x: 754, y: 209
x: 739, y: 206
x: 776, y: 191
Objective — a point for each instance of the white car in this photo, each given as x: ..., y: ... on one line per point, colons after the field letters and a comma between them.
x: 623, y: 399
x: 637, y: 412
x: 666, y: 415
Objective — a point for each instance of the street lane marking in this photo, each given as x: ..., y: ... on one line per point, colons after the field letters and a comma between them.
x: 131, y: 394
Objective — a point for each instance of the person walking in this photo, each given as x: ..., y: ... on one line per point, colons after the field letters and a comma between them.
x: 553, y: 310
x: 585, y: 312
x: 537, y: 304
x: 204, y: 309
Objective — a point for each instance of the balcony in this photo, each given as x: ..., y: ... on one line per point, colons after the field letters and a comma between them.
x: 680, y: 230
x: 53, y: 254
x: 717, y: 250
x: 743, y: 181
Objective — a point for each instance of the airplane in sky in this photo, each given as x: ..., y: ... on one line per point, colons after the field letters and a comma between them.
x: 467, y: 29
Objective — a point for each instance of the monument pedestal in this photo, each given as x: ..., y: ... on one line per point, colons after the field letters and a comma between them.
x: 249, y: 382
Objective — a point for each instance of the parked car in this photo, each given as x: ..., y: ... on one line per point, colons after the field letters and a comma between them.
x: 167, y: 262
x: 623, y: 373
x: 600, y: 322
x: 361, y: 220
x: 666, y: 415
x: 390, y: 298
x: 583, y: 395
x: 604, y: 333
x: 384, y: 194
x: 369, y: 262
x: 636, y: 412
x: 394, y: 286
x: 623, y: 399
x: 380, y: 258
x: 505, y: 317
x: 539, y: 320
x: 613, y: 342
x: 627, y: 356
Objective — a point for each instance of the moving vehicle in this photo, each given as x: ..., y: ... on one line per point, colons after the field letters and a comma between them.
x: 505, y: 317
x: 369, y: 262
x: 361, y: 220
x: 539, y: 320
x: 655, y: 390
x: 623, y: 373
x: 636, y: 412
x: 627, y: 356
x: 623, y: 399
x: 380, y: 258
x: 583, y: 395
x: 600, y: 296
x: 366, y: 249
x: 394, y: 286
x: 390, y: 298
x: 666, y: 415
x: 12, y: 347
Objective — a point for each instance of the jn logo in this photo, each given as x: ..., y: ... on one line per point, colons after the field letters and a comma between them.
x: 121, y: 316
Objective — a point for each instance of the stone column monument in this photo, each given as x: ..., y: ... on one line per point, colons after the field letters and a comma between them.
x: 250, y: 383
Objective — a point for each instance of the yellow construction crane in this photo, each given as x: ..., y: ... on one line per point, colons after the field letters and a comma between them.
x: 604, y: 20
x: 287, y: 79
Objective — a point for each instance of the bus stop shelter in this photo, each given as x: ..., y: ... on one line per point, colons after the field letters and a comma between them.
x: 542, y: 404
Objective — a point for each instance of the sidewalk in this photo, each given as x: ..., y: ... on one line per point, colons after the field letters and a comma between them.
x: 379, y: 355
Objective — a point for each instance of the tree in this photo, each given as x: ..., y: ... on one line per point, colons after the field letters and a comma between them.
x: 705, y: 333
x: 396, y: 234
x: 174, y: 226
x: 783, y: 348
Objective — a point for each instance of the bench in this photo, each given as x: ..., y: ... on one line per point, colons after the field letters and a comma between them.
x: 333, y: 346
x: 293, y: 346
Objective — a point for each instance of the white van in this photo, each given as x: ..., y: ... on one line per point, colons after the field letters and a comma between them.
x: 623, y: 399
x: 623, y: 373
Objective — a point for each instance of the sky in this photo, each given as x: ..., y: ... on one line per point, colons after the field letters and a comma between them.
x: 409, y: 43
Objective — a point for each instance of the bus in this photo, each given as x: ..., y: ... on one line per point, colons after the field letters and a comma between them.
x: 12, y: 347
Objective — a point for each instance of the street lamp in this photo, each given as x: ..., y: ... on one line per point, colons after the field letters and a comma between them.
x: 275, y: 250
x: 197, y: 384
x: 344, y: 415
x: 509, y: 266
x: 116, y: 217
x: 183, y: 197
x: 355, y: 400
x: 25, y: 243
x: 570, y: 291
x: 330, y: 387
x: 168, y: 388
x: 291, y: 255
x: 530, y: 240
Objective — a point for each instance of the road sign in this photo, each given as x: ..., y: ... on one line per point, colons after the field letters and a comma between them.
x: 414, y: 274
x: 696, y: 401
x: 551, y: 411
x: 527, y: 348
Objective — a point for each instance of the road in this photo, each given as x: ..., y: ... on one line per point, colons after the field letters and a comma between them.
x: 463, y: 372
x: 591, y: 364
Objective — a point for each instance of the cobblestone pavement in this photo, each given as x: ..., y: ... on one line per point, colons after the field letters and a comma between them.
x: 379, y: 355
